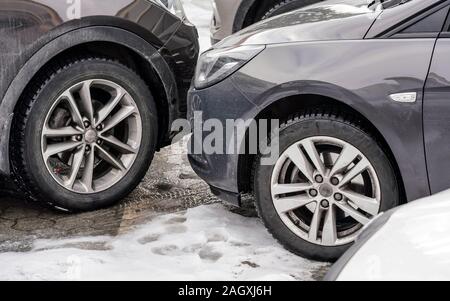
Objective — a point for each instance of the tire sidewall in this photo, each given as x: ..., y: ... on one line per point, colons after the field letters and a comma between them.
x: 52, y: 191
x: 288, y: 6
x: 309, y: 127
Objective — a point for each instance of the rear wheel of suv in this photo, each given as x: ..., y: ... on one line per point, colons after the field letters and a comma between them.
x: 84, y: 135
x: 331, y: 178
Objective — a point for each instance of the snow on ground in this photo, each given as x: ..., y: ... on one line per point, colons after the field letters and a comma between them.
x: 204, y: 243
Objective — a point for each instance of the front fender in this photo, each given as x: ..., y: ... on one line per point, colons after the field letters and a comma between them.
x: 402, y: 133
x: 361, y: 74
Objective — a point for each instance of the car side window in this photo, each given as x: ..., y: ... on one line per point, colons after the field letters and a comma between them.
x: 430, y: 24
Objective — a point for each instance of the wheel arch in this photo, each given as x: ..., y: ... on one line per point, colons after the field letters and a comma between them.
x: 287, y: 106
x: 146, y: 56
x: 241, y: 14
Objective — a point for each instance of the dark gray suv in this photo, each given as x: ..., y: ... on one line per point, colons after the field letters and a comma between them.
x: 362, y: 93
x: 88, y: 90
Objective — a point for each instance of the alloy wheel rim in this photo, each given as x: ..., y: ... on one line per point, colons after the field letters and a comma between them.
x: 91, y: 136
x: 325, y: 190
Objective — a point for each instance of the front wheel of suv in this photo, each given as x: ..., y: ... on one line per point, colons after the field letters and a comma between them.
x: 331, y: 178
x: 84, y: 134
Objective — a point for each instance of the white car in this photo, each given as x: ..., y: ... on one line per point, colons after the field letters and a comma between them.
x: 411, y: 242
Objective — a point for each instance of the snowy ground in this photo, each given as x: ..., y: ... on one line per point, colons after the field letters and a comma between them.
x: 204, y: 243
x: 138, y: 240
x: 170, y: 228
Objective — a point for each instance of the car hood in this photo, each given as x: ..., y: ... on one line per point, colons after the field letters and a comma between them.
x: 329, y: 20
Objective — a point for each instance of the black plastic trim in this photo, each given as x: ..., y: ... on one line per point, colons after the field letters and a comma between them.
x: 398, y: 28
x: 229, y: 197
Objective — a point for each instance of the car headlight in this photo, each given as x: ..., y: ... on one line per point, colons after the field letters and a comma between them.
x: 173, y: 6
x: 217, y: 64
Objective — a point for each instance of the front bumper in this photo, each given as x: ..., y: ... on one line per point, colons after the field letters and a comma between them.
x: 181, y: 54
x: 221, y: 102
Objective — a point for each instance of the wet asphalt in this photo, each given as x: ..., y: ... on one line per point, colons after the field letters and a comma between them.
x: 169, y: 186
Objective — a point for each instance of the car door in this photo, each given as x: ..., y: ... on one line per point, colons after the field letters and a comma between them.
x: 436, y: 114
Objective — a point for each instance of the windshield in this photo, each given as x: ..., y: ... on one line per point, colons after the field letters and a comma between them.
x: 385, y: 4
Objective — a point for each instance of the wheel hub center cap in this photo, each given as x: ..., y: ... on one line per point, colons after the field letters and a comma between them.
x: 90, y: 136
x: 326, y: 190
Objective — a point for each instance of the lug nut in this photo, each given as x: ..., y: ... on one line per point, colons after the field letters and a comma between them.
x: 334, y: 181
x: 79, y: 138
x: 324, y: 204
x: 338, y: 197
x: 99, y: 141
x: 313, y: 193
x: 318, y: 178
x: 87, y: 124
x: 87, y: 148
x: 99, y: 127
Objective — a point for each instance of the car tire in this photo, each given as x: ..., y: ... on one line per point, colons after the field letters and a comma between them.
x: 285, y: 6
x: 31, y: 171
x: 322, y: 123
